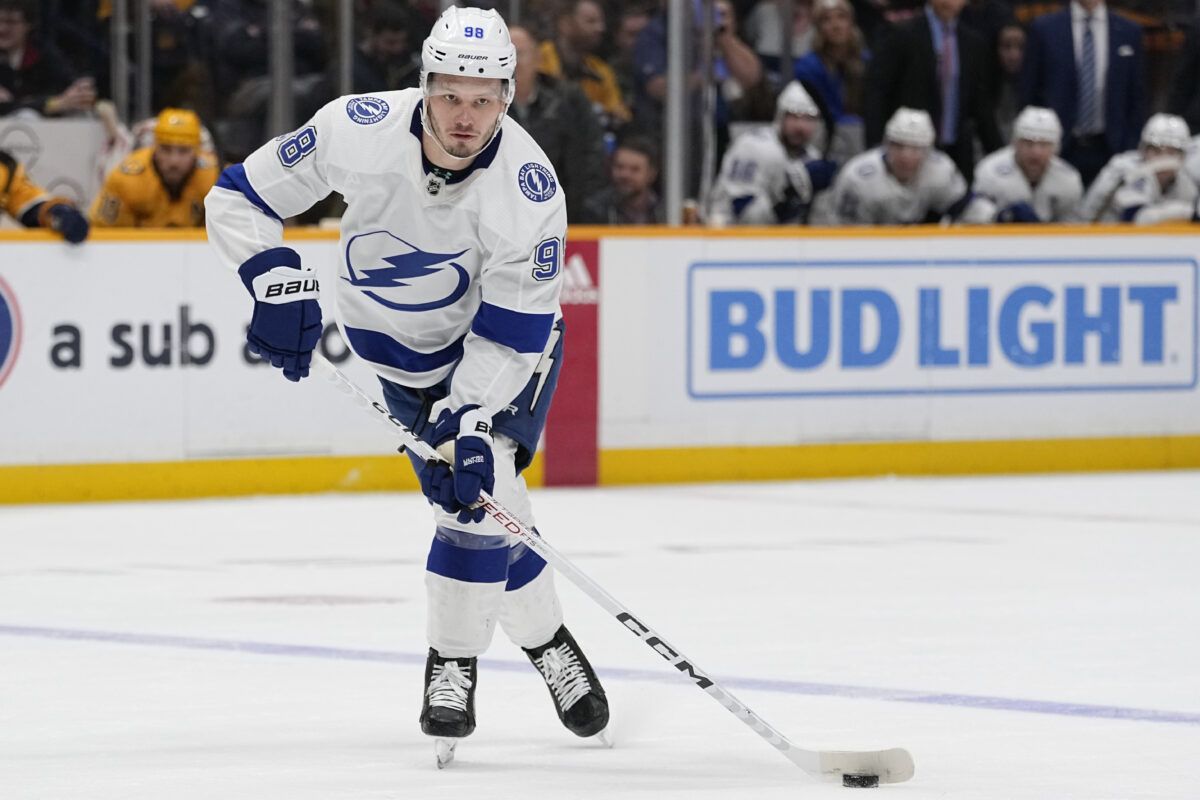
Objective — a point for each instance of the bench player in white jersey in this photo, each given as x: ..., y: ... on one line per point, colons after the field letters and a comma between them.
x: 770, y: 175
x: 1147, y: 185
x: 904, y: 181
x: 1027, y: 181
x: 447, y: 284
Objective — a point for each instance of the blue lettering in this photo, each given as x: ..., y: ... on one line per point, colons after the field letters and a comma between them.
x: 1010, y: 327
x: 853, y: 354
x: 1152, y: 299
x: 978, y: 320
x: 932, y: 353
x: 785, y: 329
x: 724, y: 330
x: 1078, y: 323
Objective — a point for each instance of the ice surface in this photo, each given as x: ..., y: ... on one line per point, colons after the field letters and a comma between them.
x: 1032, y: 637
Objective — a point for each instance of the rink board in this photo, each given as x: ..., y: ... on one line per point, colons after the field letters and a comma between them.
x: 691, y: 355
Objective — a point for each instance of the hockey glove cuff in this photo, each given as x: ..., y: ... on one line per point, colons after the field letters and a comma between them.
x: 286, y: 325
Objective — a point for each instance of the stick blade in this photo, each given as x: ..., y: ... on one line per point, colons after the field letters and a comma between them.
x: 892, y: 766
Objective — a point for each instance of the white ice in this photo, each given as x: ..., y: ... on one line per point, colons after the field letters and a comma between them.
x: 134, y: 659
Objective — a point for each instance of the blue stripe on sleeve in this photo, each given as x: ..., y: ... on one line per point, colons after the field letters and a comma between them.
x: 525, y: 333
x: 467, y: 564
x: 383, y: 349
x: 234, y: 178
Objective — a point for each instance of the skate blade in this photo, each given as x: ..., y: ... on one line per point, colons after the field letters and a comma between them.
x: 444, y: 750
x: 605, y: 738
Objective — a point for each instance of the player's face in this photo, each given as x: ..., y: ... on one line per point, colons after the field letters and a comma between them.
x: 1169, y: 155
x: 798, y: 130
x: 905, y: 160
x: 174, y: 162
x: 1033, y: 158
x: 463, y: 112
x: 632, y: 172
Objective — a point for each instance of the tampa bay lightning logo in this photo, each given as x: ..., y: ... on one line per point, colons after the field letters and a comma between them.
x: 367, y: 110
x: 10, y: 330
x: 536, y: 182
x: 401, y: 276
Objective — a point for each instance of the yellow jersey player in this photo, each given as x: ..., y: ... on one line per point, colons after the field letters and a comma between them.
x: 161, y: 186
x: 30, y: 205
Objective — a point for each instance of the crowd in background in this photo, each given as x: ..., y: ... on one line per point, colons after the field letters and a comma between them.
x: 947, y: 80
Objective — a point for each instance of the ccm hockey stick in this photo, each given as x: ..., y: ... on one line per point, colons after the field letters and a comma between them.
x: 853, y: 768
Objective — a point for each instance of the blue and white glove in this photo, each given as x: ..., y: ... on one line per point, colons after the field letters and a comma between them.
x: 68, y: 222
x: 1018, y: 212
x: 286, y: 325
x: 464, y: 439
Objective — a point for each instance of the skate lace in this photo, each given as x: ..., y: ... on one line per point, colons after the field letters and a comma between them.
x: 448, y: 686
x: 564, y: 675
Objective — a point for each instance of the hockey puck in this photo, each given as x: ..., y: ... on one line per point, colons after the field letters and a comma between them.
x: 859, y: 781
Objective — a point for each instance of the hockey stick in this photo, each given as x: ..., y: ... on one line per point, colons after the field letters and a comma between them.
x: 889, y: 766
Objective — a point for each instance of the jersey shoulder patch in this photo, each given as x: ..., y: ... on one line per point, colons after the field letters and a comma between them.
x: 367, y: 110
x: 536, y: 182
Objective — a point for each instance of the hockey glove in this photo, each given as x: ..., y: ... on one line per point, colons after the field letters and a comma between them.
x: 1018, y: 212
x: 821, y: 172
x: 286, y: 325
x: 68, y: 222
x: 464, y: 439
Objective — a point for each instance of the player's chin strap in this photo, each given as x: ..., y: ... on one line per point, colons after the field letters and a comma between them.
x: 890, y: 766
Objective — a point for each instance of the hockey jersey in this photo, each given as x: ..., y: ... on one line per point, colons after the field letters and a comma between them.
x: 1056, y: 198
x: 757, y: 180
x: 18, y: 194
x: 866, y: 193
x: 1127, y: 190
x: 133, y: 195
x: 437, y: 272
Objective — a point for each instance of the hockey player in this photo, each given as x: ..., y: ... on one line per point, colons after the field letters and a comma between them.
x: 1027, y: 181
x: 770, y: 175
x: 1146, y: 185
x: 30, y: 205
x: 161, y: 186
x: 448, y: 285
x: 905, y: 181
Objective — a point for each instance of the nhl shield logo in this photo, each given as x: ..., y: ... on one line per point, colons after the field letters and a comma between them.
x: 367, y: 110
x: 10, y: 330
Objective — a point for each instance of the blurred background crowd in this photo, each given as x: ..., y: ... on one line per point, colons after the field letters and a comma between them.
x: 794, y: 111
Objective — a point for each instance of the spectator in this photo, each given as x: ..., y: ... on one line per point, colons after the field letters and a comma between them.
x: 1184, y: 98
x: 1086, y: 64
x: 905, y: 181
x: 558, y: 117
x: 1010, y: 56
x: 633, y: 20
x: 933, y: 63
x: 161, y: 186
x: 30, y: 205
x: 1147, y: 185
x: 571, y: 56
x: 1026, y: 181
x: 36, y: 75
x: 763, y: 31
x: 835, y: 72
x: 387, y: 58
x: 631, y: 199
x: 770, y: 175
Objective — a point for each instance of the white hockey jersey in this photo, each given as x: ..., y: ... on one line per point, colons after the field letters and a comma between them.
x: 865, y: 193
x: 1056, y: 198
x: 1127, y: 190
x: 756, y: 174
x: 434, y: 275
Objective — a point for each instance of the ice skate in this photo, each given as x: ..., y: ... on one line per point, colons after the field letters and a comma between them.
x: 448, y: 712
x: 578, y: 696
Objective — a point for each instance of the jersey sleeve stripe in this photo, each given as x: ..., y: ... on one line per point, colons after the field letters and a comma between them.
x: 382, y: 349
x: 234, y: 178
x: 525, y: 333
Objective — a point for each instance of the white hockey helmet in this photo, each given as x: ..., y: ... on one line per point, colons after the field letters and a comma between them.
x: 795, y: 100
x: 1166, y: 130
x: 470, y: 42
x: 911, y: 127
x: 1037, y: 124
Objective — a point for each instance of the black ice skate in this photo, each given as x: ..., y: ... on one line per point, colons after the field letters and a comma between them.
x: 576, y: 691
x: 448, y: 712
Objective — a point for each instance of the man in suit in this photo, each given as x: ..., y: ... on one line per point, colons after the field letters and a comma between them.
x: 933, y: 63
x: 1086, y: 64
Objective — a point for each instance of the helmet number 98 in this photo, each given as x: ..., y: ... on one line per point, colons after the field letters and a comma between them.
x: 473, y: 33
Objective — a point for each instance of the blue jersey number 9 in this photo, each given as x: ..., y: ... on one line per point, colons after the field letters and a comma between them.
x: 548, y: 258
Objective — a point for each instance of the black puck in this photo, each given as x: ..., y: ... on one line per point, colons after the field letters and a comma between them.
x: 860, y: 781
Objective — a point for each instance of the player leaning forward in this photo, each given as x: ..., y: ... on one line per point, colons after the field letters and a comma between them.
x: 448, y: 286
